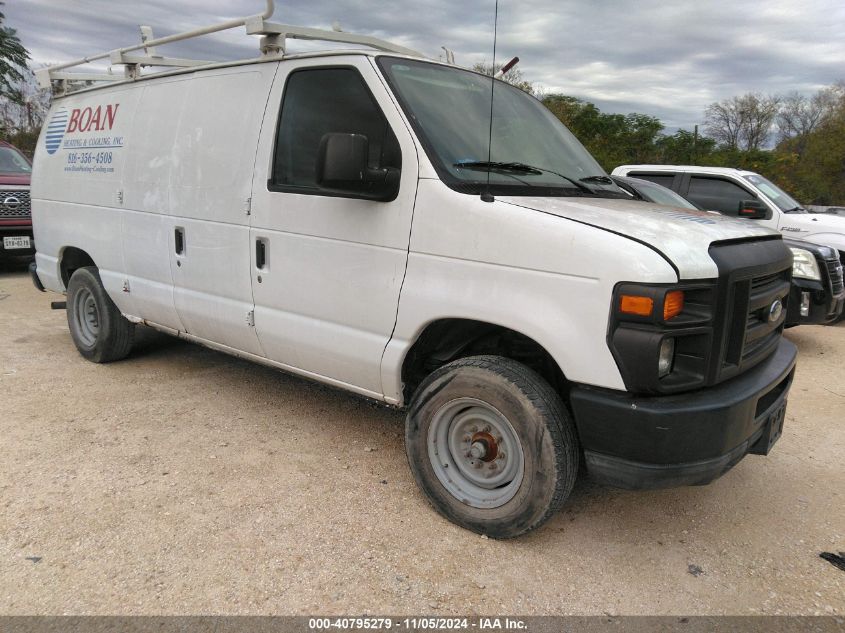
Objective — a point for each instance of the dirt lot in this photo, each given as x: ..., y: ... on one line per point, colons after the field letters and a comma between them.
x: 185, y: 481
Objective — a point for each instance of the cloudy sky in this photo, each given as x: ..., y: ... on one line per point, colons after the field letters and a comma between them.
x: 667, y: 59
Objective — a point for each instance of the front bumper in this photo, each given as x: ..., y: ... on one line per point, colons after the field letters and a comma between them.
x: 683, y: 439
x: 824, y: 305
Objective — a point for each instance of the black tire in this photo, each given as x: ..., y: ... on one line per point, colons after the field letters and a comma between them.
x: 98, y: 329
x: 535, y: 413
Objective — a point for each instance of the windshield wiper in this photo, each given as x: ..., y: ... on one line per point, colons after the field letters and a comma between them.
x: 602, y: 179
x: 521, y: 168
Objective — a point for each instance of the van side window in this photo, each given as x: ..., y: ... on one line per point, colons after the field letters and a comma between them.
x: 716, y: 194
x: 321, y: 101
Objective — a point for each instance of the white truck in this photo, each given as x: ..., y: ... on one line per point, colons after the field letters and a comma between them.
x: 744, y: 194
x: 343, y: 215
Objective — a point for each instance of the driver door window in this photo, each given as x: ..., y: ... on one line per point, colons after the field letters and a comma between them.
x: 319, y: 102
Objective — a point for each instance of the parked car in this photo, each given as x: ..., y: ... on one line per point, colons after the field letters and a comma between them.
x: 338, y: 215
x: 15, y: 214
x: 817, y: 294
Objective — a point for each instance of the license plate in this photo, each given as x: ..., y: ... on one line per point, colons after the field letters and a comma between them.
x: 16, y: 241
x: 774, y: 429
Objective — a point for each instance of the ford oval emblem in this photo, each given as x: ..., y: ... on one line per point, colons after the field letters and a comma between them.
x: 775, y: 310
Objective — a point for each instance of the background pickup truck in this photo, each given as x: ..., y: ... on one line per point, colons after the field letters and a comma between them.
x: 817, y: 293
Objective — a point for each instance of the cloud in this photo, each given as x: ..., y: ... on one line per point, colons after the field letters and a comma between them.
x: 665, y: 59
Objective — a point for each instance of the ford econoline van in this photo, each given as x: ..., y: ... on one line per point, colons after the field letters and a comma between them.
x: 353, y: 217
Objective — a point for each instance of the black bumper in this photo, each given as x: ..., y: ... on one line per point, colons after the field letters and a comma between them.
x: 825, y: 306
x: 685, y: 439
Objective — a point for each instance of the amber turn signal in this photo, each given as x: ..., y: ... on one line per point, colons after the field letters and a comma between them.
x: 633, y: 304
x: 673, y: 304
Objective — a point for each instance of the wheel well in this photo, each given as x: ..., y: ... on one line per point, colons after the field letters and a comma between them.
x: 450, y: 339
x: 72, y: 259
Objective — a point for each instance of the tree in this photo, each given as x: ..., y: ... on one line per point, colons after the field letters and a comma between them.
x: 513, y: 76
x: 613, y: 139
x: 684, y: 147
x: 813, y: 165
x: 801, y: 115
x: 742, y: 122
x: 13, y: 58
x: 21, y: 118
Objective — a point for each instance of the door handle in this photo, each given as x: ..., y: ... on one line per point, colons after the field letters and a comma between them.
x: 260, y: 254
x: 179, y: 240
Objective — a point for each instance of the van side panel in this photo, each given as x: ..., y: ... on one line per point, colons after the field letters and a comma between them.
x: 146, y: 231
x: 213, y: 156
x: 77, y: 184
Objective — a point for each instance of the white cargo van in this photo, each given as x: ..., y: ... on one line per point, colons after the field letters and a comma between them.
x: 337, y: 215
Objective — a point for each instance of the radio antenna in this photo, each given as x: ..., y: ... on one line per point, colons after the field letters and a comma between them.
x: 487, y: 196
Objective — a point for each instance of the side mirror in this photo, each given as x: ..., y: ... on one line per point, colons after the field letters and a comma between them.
x: 754, y: 210
x: 343, y: 167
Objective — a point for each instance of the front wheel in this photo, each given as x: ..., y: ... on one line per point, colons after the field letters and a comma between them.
x: 491, y: 445
x: 98, y: 329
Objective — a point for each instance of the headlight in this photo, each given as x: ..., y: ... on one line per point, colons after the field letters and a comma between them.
x: 804, y: 264
x: 666, y: 357
x: 661, y: 335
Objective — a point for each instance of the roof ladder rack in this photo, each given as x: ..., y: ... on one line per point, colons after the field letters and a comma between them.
x: 272, y: 44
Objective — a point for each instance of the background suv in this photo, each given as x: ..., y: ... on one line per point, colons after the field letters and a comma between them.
x: 15, y: 214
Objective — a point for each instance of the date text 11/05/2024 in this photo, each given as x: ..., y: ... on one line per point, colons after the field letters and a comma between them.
x: 414, y: 624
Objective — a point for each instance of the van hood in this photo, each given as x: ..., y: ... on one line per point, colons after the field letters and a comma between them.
x: 683, y: 236
x: 819, y: 228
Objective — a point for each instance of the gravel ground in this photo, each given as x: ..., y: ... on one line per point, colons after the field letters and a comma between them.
x: 183, y: 481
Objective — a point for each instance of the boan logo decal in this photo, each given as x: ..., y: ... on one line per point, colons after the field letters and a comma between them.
x: 96, y: 119
x: 56, y: 130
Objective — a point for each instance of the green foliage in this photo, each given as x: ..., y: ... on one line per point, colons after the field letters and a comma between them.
x: 684, y: 148
x: 612, y: 139
x: 809, y: 164
x: 13, y: 57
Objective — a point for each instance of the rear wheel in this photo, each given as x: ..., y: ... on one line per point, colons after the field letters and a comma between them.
x: 491, y: 445
x: 98, y: 329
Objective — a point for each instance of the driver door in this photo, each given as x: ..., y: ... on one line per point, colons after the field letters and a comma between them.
x: 327, y: 268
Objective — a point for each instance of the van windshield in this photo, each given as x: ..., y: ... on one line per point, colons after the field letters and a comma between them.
x: 532, y: 153
x: 13, y: 162
x: 785, y: 202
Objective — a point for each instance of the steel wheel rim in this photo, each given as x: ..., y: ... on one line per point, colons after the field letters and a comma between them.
x: 475, y: 453
x: 86, y: 317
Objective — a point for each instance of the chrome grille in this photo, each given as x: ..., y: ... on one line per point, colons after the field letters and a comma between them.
x: 834, y: 269
x: 761, y: 330
x: 15, y: 204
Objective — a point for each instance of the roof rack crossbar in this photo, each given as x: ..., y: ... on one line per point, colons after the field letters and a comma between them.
x: 272, y: 43
x: 117, y: 57
x: 259, y: 26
